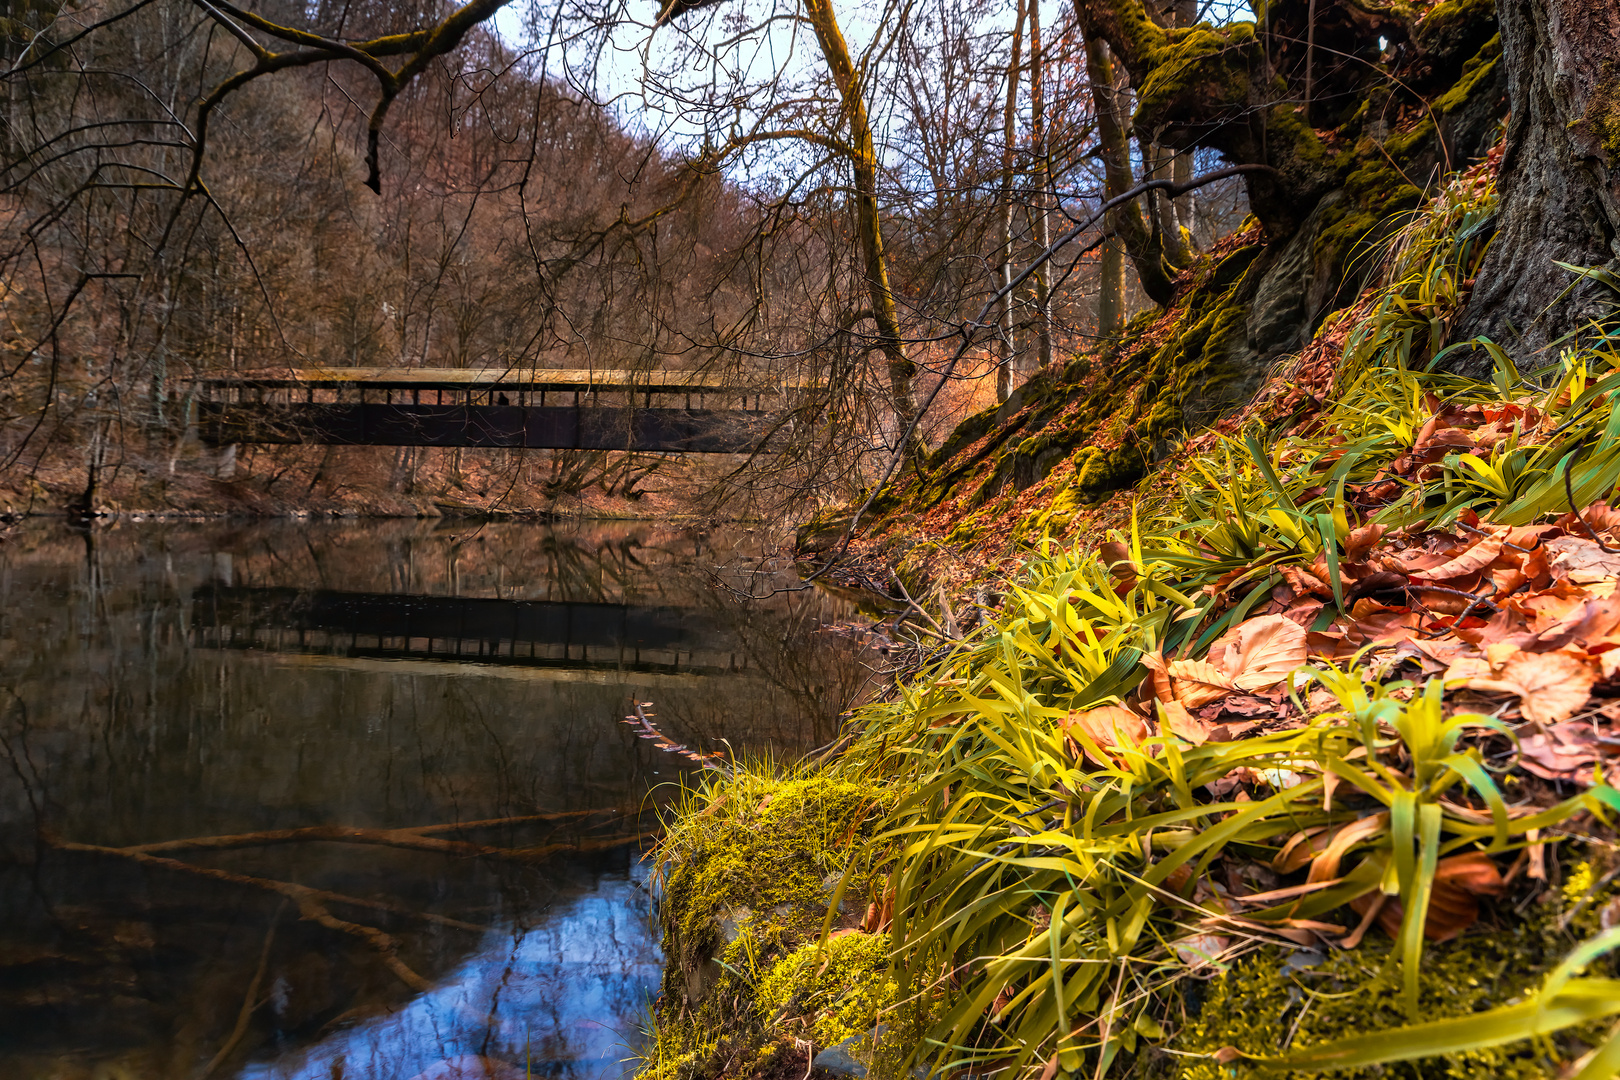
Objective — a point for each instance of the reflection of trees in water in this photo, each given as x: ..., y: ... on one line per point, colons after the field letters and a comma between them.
x: 127, y: 734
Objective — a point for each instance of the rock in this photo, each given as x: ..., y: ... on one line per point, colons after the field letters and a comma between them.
x: 839, y: 1060
x: 850, y: 1057
x: 732, y: 922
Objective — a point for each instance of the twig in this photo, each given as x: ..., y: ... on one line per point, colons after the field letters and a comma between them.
x: 1310, y: 999
x: 906, y: 596
x: 714, y: 760
x: 411, y: 839
x: 969, y: 329
x: 250, y: 1000
x: 1569, y: 493
x: 1468, y: 610
x: 1423, y: 586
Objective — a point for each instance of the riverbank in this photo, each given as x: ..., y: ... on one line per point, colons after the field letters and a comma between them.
x: 361, y: 481
x: 1296, y: 756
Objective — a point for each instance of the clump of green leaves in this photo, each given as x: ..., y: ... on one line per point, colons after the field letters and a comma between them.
x: 1056, y: 904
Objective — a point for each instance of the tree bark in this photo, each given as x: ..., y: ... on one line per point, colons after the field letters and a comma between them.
x: 868, y: 221
x: 1009, y: 133
x: 1043, y: 185
x: 1125, y: 223
x: 1560, y: 180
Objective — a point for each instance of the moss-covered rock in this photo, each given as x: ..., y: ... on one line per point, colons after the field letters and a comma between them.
x: 750, y: 870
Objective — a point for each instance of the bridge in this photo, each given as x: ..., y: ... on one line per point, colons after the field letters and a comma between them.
x: 552, y: 634
x: 554, y: 409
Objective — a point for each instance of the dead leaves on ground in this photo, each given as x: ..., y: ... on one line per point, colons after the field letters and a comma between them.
x: 1524, y: 619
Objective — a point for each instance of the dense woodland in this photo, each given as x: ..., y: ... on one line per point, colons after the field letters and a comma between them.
x: 535, y: 208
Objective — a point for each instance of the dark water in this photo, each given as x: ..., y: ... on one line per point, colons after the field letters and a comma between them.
x: 453, y: 692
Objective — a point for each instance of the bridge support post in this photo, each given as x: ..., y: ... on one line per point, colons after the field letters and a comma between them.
x: 225, y: 466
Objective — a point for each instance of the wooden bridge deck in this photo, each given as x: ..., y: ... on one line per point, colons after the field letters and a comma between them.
x: 558, y: 409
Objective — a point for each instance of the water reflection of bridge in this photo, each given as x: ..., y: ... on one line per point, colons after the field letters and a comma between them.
x: 572, y: 635
x: 663, y: 411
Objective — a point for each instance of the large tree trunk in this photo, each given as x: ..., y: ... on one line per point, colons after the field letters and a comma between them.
x: 1560, y: 180
x: 1401, y: 93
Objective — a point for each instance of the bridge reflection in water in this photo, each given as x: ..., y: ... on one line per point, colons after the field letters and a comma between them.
x: 567, y: 634
x: 129, y: 735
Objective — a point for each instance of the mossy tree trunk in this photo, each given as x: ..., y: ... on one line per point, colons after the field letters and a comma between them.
x: 1400, y: 95
x: 863, y: 161
x: 1560, y: 183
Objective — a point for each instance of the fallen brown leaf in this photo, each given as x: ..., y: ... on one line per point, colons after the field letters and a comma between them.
x: 1198, y: 682
x: 1260, y: 653
x: 1361, y: 541
x: 1107, y: 726
x: 1175, y: 717
x: 1471, y: 561
x: 1581, y: 560
x: 1459, y: 880
x: 1550, y: 686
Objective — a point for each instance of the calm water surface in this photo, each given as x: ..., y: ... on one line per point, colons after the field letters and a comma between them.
x: 188, y: 714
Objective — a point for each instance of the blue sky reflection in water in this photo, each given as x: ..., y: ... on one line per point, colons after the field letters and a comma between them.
x: 419, y: 720
x: 565, y: 996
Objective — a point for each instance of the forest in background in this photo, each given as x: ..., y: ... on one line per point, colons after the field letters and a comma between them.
x: 519, y: 222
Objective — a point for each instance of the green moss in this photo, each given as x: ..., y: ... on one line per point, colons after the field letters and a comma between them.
x: 967, y: 433
x: 1480, y: 69
x: 832, y: 991
x: 1261, y: 999
x: 1104, y: 473
x: 749, y: 868
x: 1195, y: 66
x: 1455, y: 28
x: 1603, y: 113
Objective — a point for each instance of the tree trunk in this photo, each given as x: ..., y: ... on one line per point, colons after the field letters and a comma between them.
x: 901, y: 368
x: 1126, y: 222
x: 1110, y: 288
x: 1004, y: 274
x: 1042, y: 185
x: 1560, y: 180
x: 1116, y: 180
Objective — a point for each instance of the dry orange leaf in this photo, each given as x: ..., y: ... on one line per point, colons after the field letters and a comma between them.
x: 1361, y: 541
x: 1453, y: 905
x: 1198, y: 682
x: 1550, y: 686
x: 1107, y: 726
x: 1301, y: 848
x: 1474, y: 559
x: 1160, y: 682
x: 1175, y: 717
x: 1260, y: 653
x: 1325, y: 867
x: 1581, y: 560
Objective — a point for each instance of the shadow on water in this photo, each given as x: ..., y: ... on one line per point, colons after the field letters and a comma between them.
x: 295, y: 801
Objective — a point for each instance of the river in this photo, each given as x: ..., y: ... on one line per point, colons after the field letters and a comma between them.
x: 296, y: 800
